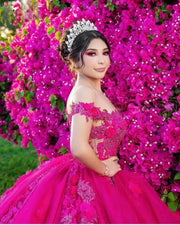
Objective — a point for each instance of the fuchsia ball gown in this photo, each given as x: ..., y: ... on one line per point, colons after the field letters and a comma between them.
x: 64, y: 191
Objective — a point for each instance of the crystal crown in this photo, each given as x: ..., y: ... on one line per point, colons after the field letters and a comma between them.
x: 77, y: 29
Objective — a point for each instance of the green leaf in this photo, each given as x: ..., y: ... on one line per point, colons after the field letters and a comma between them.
x: 31, y: 109
x: 50, y: 7
x: 177, y: 176
x: 157, y: 70
x: 157, y: 14
x: 151, y: 36
x: 5, y: 97
x: 47, y: 4
x: 21, y: 53
x: 34, y: 1
x: 177, y: 91
x: 165, y: 191
x: 29, y: 82
x: 172, y: 196
x: 24, y: 32
x: 42, y: 158
x: 30, y: 78
x: 56, y: 2
x: 9, y: 49
x: 20, y: 94
x: 53, y: 100
x: 63, y: 5
x: 47, y: 20
x: 15, y: 94
x: 57, y: 35
x: 60, y: 105
x: 36, y: 56
x: 2, y: 73
x: 3, y: 86
x: 19, y: 77
x: 29, y: 96
x: 50, y: 30
x: 24, y: 119
x: 32, y: 86
x: 96, y: 2
x: 163, y: 198
x: 37, y: 22
x: 172, y: 205
x: 63, y: 151
x: 111, y: 6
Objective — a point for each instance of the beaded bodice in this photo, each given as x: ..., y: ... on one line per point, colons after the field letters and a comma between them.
x: 107, y: 135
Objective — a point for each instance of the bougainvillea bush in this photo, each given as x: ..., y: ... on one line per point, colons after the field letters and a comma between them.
x: 143, y: 81
x: 8, y: 129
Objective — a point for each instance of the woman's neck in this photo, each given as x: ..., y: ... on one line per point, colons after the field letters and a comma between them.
x: 88, y: 81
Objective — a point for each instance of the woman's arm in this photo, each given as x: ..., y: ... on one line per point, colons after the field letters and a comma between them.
x: 79, y: 143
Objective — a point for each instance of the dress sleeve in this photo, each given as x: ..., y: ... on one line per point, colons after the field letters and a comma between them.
x: 86, y: 109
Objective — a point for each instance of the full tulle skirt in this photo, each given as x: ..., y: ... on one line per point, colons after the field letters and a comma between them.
x: 64, y: 191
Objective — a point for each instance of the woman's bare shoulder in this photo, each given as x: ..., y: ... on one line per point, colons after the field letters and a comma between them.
x: 81, y: 94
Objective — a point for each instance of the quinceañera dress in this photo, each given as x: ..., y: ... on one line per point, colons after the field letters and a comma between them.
x: 64, y: 191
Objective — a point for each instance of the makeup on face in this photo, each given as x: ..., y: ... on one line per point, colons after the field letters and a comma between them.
x: 94, y: 52
x: 96, y: 60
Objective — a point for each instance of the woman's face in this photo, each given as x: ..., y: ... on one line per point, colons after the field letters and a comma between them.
x: 96, y: 60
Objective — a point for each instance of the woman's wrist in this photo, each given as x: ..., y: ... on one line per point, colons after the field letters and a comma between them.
x: 107, y: 170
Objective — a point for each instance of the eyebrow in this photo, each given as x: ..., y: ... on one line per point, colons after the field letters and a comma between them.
x: 95, y: 49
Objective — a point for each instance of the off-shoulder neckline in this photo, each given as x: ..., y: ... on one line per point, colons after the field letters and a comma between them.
x: 93, y: 106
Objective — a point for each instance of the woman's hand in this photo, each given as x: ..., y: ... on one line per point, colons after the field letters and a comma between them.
x: 111, y: 166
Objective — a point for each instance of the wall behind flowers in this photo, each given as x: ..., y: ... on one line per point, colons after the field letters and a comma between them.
x: 143, y: 81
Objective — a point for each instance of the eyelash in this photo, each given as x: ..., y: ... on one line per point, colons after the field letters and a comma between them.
x: 107, y: 53
x: 93, y: 53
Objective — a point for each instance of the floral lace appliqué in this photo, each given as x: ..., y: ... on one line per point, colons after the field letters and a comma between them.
x: 111, y: 131
x: 78, y: 206
x: 85, y: 191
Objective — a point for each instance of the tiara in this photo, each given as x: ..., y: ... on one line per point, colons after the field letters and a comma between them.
x: 78, y: 28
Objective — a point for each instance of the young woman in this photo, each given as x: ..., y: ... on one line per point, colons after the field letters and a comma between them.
x: 86, y: 185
